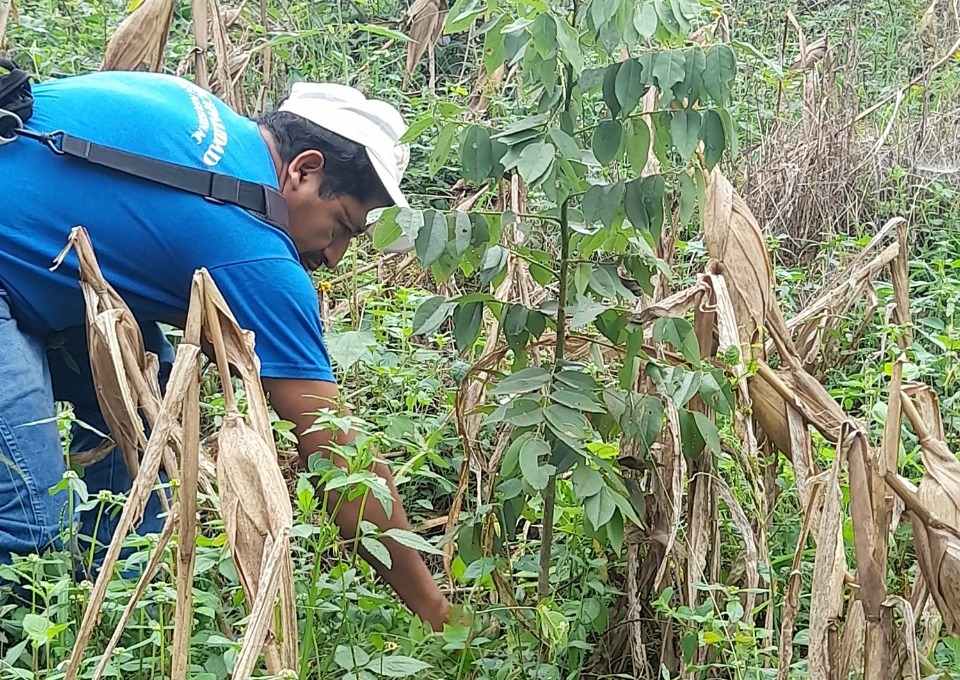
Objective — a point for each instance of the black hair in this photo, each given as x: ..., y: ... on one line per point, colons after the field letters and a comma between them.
x: 347, y: 168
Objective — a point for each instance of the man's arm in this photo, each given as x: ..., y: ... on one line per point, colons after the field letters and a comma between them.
x: 408, y: 575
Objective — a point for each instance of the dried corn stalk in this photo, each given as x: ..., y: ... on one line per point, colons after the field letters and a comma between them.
x: 426, y: 18
x: 140, y: 40
x: 257, y: 528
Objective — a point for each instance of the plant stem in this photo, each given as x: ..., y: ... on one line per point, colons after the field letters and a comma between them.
x: 550, y: 493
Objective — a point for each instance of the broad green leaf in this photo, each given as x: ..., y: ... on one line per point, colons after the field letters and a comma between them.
x: 476, y: 154
x: 432, y: 238
x: 535, y: 474
x: 578, y: 380
x: 653, y: 187
x: 481, y: 230
x: 637, y: 143
x: 493, y: 52
x: 667, y: 20
x: 611, y: 324
x: 377, y: 550
x: 494, y: 261
x: 629, y: 86
x: 569, y: 41
x: 599, y: 508
x: 645, y: 21
x: 412, y: 540
x: 691, y: 440
x: 462, y: 15
x: 610, y: 206
x: 685, y: 130
x: 515, y: 319
x: 544, y: 34
x: 430, y: 314
x: 466, y: 324
x: 602, y: 11
x: 586, y: 481
x: 729, y: 132
x: 397, y: 666
x: 719, y: 71
x: 590, y: 78
x: 679, y: 333
x: 576, y: 400
x: 462, y: 232
x: 678, y: 13
x: 524, y: 412
x: 643, y: 420
x: 525, y: 380
x: 387, y: 230
x: 536, y: 323
x: 440, y: 153
x: 713, y: 138
x: 346, y: 348
x: 606, y: 140
x: 480, y: 568
x: 610, y: 89
x: 591, y: 202
x: 708, y: 430
x: 635, y: 206
x: 692, y: 84
x: 567, y: 422
x: 688, y: 197
x: 669, y: 69
x: 418, y: 127
x: 535, y: 161
x: 584, y: 311
x: 350, y: 657
x: 566, y: 145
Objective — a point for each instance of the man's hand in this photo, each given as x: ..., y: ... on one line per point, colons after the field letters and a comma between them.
x: 298, y: 401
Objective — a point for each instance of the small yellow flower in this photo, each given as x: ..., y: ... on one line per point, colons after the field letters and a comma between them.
x: 956, y: 55
x: 325, y: 286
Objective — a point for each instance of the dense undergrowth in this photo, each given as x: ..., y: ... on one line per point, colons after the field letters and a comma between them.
x: 403, y: 387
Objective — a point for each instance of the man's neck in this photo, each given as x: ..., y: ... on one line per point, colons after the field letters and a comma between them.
x: 271, y: 143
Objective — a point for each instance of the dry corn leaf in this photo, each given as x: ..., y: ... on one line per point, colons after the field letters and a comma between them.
x: 140, y: 39
x: 851, y: 644
x: 829, y: 567
x: 426, y: 18
x: 185, y: 369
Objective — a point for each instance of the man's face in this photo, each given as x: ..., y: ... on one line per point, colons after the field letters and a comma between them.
x: 321, y: 227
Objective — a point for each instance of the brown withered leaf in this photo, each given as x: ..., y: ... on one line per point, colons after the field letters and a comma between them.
x: 140, y: 39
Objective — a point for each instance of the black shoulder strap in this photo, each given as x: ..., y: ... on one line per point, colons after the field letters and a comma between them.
x: 265, y: 202
x: 16, y: 98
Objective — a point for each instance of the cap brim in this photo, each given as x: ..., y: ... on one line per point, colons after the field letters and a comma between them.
x: 404, y: 244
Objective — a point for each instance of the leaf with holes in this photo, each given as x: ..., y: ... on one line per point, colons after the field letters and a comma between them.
x: 535, y: 474
x: 476, y: 154
x: 669, y: 68
x: 679, y: 333
x: 578, y: 401
x: 571, y: 425
x: 462, y: 232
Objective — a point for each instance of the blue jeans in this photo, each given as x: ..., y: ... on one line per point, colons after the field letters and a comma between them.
x: 32, y: 461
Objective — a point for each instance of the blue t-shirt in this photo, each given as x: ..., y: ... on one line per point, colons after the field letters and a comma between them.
x: 150, y: 239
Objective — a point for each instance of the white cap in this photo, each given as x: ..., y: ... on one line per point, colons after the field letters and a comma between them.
x: 375, y: 124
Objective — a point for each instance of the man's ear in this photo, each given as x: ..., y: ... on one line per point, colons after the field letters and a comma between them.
x: 306, y: 167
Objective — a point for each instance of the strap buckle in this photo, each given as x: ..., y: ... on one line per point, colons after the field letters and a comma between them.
x: 10, y: 126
